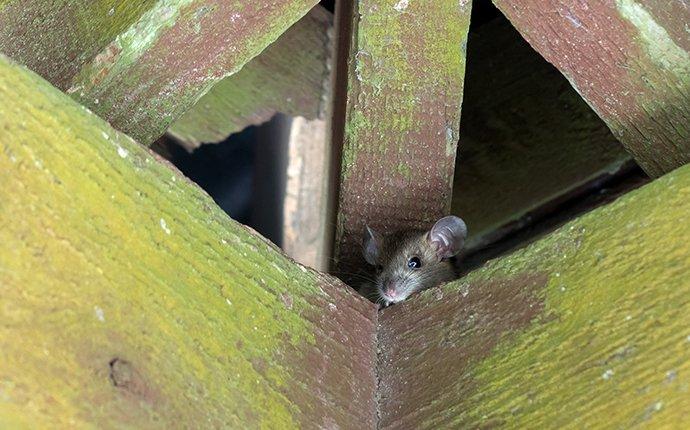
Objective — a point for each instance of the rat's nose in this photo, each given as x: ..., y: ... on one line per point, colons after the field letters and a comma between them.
x: 390, y: 290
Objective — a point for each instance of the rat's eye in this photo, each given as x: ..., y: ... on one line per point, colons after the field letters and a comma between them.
x: 379, y: 268
x: 414, y: 263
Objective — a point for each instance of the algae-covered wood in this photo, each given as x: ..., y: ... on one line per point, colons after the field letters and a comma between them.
x: 404, y: 79
x: 630, y: 60
x: 289, y: 76
x: 588, y: 327
x: 141, y: 64
x: 528, y: 139
x: 128, y: 299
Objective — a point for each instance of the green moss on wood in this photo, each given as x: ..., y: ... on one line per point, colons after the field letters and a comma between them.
x: 109, y: 254
x: 154, y: 60
x: 608, y: 344
x: 288, y: 77
x: 56, y: 39
x: 404, y: 89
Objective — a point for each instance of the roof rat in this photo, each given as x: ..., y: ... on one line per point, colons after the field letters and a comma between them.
x: 411, y: 261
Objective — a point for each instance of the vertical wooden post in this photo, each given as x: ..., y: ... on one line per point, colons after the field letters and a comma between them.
x: 401, y: 115
x: 306, y: 191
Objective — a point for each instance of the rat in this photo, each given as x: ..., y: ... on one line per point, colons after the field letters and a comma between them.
x: 411, y: 261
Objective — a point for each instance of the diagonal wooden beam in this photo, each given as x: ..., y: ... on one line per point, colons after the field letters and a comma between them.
x: 128, y: 298
x: 630, y: 60
x: 585, y: 328
x: 141, y: 64
x: 290, y: 77
x: 401, y: 115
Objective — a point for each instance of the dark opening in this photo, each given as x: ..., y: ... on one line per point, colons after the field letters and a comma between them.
x: 532, y: 154
x: 244, y: 174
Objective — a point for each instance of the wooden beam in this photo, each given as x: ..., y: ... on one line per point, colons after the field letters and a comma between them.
x: 630, y: 60
x: 587, y: 327
x: 141, y: 64
x: 128, y: 298
x: 401, y: 116
x: 305, y: 227
x: 528, y: 139
x: 288, y: 77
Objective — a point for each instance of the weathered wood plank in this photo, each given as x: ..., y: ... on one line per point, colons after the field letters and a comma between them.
x: 404, y: 90
x: 141, y: 65
x: 630, y: 60
x: 127, y: 298
x: 305, y: 226
x: 585, y: 328
x: 528, y: 139
x: 290, y: 76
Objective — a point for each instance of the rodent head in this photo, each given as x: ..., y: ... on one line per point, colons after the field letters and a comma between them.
x: 408, y: 262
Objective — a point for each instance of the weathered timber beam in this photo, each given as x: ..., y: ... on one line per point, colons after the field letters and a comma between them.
x: 305, y: 221
x: 141, y: 64
x: 127, y: 298
x: 585, y: 328
x: 528, y: 139
x: 290, y: 76
x: 630, y: 60
x: 401, y: 116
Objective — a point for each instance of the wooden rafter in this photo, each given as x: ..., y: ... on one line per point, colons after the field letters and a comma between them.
x: 585, y: 328
x: 291, y: 76
x: 141, y: 64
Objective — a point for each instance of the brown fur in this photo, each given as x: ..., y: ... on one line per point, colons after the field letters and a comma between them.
x: 394, y: 253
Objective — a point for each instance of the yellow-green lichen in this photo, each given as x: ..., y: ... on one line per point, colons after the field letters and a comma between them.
x: 612, y: 349
x: 660, y: 47
x: 108, y: 253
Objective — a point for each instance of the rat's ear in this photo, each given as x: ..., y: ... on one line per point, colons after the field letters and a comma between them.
x: 447, y: 236
x: 371, y: 245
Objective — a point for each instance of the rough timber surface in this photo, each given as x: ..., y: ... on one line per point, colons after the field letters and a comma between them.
x: 402, y: 113
x: 528, y: 139
x: 630, y: 60
x: 141, y: 64
x: 128, y: 299
x: 306, y: 191
x: 289, y: 76
x: 588, y: 327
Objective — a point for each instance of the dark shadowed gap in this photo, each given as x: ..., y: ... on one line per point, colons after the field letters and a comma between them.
x: 244, y: 174
x: 328, y: 4
x: 579, y: 203
x: 532, y: 154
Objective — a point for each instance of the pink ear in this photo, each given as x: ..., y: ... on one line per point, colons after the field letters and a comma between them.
x: 447, y: 236
x: 371, y: 245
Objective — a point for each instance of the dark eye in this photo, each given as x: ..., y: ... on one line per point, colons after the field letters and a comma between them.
x: 379, y: 268
x: 414, y: 263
